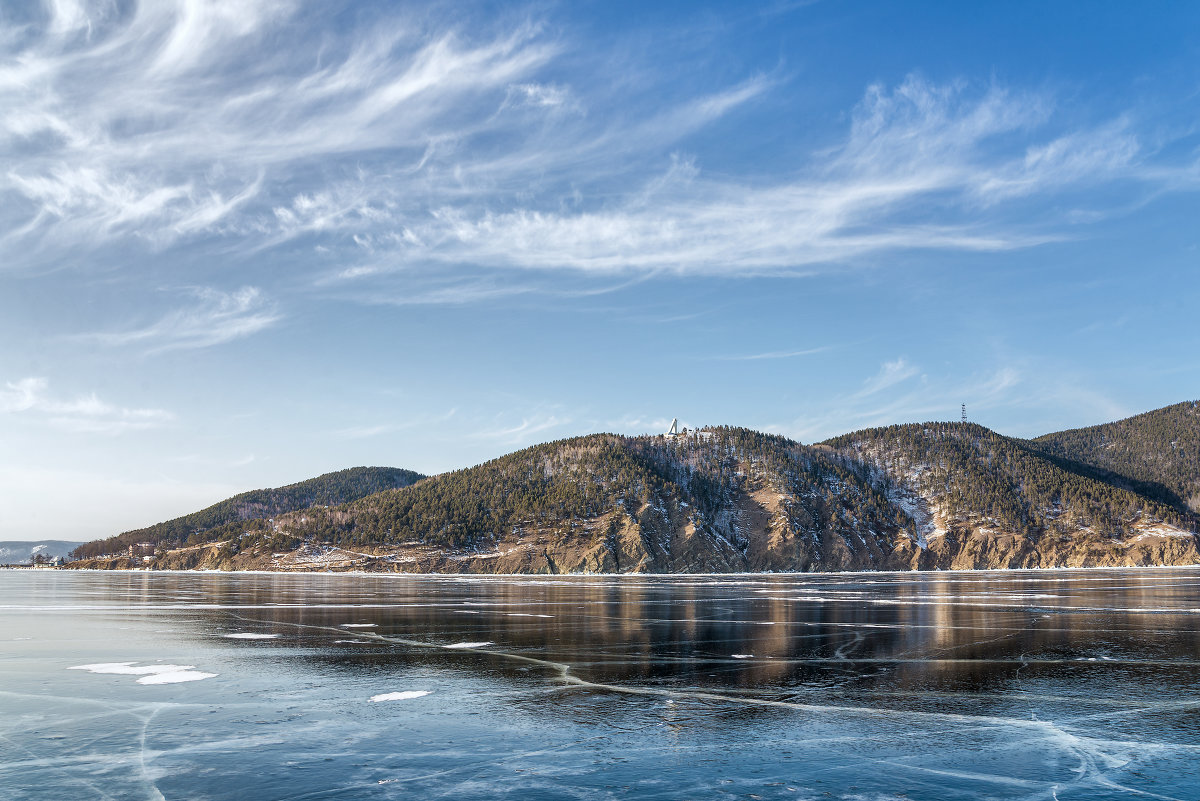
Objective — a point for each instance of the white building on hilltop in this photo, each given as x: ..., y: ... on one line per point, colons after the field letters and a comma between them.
x: 674, y: 430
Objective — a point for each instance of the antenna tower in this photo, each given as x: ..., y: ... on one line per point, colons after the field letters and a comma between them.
x: 964, y: 410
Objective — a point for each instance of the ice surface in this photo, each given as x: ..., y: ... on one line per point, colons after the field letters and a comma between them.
x: 175, y: 677
x: 359, y: 625
x: 403, y: 695
x: 1033, y: 686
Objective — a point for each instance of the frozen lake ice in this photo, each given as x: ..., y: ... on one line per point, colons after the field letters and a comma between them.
x: 1030, y: 685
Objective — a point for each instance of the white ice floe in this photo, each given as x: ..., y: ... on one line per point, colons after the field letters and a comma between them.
x: 467, y: 644
x: 250, y: 635
x: 400, y: 696
x: 359, y: 625
x: 150, y: 674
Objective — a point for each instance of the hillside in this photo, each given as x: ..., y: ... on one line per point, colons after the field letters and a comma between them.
x: 981, y: 499
x: 329, y: 489
x: 936, y: 495
x: 723, y: 500
x: 1157, y: 453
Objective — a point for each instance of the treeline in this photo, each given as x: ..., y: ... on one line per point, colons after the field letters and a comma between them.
x: 1156, y: 453
x: 331, y: 489
x: 975, y: 472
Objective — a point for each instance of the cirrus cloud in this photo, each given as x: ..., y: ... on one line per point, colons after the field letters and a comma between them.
x: 30, y: 398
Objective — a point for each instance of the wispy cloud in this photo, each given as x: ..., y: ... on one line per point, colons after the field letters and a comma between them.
x: 523, y: 432
x: 1042, y: 397
x: 208, y: 461
x: 900, y: 392
x: 778, y: 354
x: 163, y: 120
x: 215, y: 318
x: 890, y: 374
x: 30, y: 398
x: 407, y: 423
x: 921, y: 167
x: 413, y: 147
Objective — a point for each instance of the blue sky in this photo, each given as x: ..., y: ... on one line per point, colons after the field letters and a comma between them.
x: 245, y: 244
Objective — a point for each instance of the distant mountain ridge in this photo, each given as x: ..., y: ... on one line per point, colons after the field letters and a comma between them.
x: 20, y: 552
x: 722, y: 499
x: 329, y: 489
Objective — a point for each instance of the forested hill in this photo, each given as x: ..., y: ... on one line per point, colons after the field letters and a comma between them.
x: 1157, y: 452
x: 650, y: 482
x: 978, y: 477
x: 330, y: 489
x: 933, y: 495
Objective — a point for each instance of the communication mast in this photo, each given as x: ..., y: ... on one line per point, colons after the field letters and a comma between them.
x: 964, y: 410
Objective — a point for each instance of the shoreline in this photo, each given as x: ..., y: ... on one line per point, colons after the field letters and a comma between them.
x: 365, y: 573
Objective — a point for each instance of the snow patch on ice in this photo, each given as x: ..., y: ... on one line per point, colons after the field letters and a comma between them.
x: 129, y: 668
x: 468, y: 644
x: 400, y: 696
x: 359, y: 625
x: 150, y: 674
x: 742, y: 656
x: 250, y: 635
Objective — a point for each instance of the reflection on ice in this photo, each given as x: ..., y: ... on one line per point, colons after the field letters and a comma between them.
x: 250, y: 635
